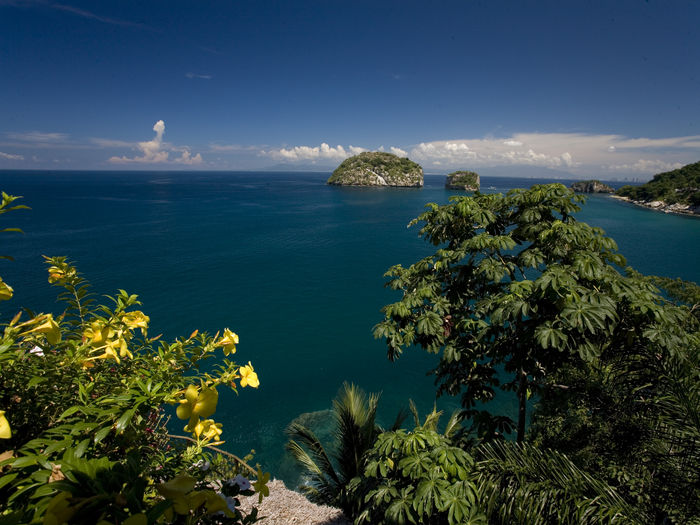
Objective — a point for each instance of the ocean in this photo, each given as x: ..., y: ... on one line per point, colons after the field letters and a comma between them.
x: 293, y: 266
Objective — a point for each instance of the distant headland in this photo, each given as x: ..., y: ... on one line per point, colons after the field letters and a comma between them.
x: 463, y: 180
x: 676, y: 191
x: 377, y: 168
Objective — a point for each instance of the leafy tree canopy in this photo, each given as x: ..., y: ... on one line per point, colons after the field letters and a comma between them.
x: 517, y: 289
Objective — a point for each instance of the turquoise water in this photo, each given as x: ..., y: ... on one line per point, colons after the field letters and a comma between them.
x: 292, y: 265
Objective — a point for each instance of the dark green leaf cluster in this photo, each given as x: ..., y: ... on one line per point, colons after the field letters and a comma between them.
x: 520, y: 483
x: 418, y: 477
x: 634, y: 418
x: 516, y: 289
x: 677, y: 186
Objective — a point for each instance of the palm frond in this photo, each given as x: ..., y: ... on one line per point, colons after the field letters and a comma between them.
x: 454, y: 424
x: 355, y: 414
x: 520, y: 483
x: 316, y: 461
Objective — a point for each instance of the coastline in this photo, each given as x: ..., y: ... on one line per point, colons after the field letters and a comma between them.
x: 662, y: 206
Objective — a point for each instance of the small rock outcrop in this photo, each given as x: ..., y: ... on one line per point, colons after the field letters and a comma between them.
x: 463, y: 180
x: 591, y: 186
x: 377, y: 168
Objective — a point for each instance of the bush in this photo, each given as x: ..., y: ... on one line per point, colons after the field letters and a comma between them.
x: 418, y: 477
x: 83, y: 424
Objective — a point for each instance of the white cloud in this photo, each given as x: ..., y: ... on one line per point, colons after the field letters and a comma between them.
x: 186, y: 158
x: 398, y: 152
x: 155, y: 151
x: 10, y: 156
x: 577, y: 152
x: 324, y: 151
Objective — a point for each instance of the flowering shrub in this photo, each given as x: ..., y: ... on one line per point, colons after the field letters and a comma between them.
x: 83, y: 434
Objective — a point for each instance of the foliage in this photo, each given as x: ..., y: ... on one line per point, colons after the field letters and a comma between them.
x: 356, y: 430
x: 520, y: 483
x: 680, y: 291
x: 83, y: 422
x: 423, y: 477
x: 681, y: 185
x: 418, y: 477
x: 517, y: 289
x: 635, y: 419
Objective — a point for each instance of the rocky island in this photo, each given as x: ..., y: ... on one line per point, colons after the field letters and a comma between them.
x: 377, y: 168
x: 463, y: 180
x: 591, y: 186
x: 676, y: 191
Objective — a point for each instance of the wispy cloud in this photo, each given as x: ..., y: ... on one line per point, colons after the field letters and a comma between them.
x: 195, y: 75
x: 99, y: 18
x: 10, y: 156
x: 77, y: 11
x: 223, y: 148
x: 155, y: 151
x: 110, y: 143
x: 37, y: 136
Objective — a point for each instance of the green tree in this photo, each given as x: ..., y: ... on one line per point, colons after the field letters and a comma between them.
x: 635, y: 418
x: 331, y: 469
x: 516, y: 290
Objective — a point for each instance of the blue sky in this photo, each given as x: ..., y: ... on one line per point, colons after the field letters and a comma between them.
x: 602, y: 88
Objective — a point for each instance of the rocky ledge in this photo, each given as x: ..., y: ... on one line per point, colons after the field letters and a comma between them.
x: 679, y: 208
x: 286, y: 507
x: 377, y: 169
x: 463, y: 180
x: 591, y: 186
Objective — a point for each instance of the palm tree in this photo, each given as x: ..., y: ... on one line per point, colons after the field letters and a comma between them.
x: 331, y: 473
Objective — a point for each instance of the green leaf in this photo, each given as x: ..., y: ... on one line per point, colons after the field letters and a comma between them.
x: 7, y: 479
x: 125, y: 419
x: 101, y: 434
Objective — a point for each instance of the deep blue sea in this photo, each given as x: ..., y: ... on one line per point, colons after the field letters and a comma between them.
x: 290, y: 264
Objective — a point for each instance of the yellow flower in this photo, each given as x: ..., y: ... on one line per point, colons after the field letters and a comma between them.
x: 208, y: 430
x: 248, y: 376
x: 98, y: 333
x: 118, y: 344
x: 197, y: 404
x: 59, y: 274
x: 177, y: 487
x: 5, y: 430
x: 136, y: 319
x: 5, y: 291
x: 47, y: 326
x: 228, y: 341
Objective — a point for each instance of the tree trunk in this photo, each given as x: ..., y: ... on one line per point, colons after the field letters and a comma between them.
x: 522, y: 405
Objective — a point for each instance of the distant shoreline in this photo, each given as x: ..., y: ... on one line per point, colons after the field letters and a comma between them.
x: 662, y: 207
